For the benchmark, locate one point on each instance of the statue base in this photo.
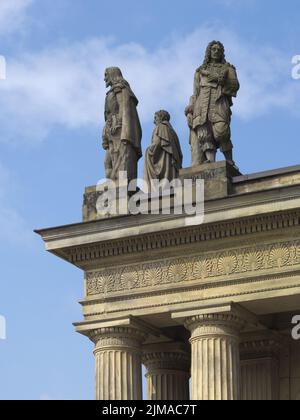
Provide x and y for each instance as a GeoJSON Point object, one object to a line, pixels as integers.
{"type": "Point", "coordinates": [218, 178]}
{"type": "Point", "coordinates": [218, 183]}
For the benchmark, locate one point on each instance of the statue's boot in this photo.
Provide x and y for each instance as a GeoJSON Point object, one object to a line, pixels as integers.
{"type": "Point", "coordinates": [229, 158]}
{"type": "Point", "coordinates": [210, 156]}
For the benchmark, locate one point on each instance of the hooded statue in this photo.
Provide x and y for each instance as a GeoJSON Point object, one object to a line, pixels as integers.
{"type": "Point", "coordinates": [122, 133]}
{"type": "Point", "coordinates": [163, 158]}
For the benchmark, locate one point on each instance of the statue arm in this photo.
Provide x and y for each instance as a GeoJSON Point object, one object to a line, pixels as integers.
{"type": "Point", "coordinates": [117, 118]}
{"type": "Point", "coordinates": [155, 141]}
{"type": "Point", "coordinates": [190, 108]}
{"type": "Point", "coordinates": [197, 84]}
{"type": "Point", "coordinates": [105, 141]}
{"type": "Point", "coordinates": [232, 85]}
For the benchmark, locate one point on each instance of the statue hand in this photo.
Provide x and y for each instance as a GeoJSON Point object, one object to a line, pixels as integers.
{"type": "Point", "coordinates": [105, 145]}
{"type": "Point", "coordinates": [151, 149]}
{"type": "Point", "coordinates": [116, 124]}
{"type": "Point", "coordinates": [212, 78]}
{"type": "Point", "coordinates": [188, 110]}
{"type": "Point", "coordinates": [190, 120]}
{"type": "Point", "coordinates": [114, 129]}
{"type": "Point", "coordinates": [205, 73]}
{"type": "Point", "coordinates": [105, 142]}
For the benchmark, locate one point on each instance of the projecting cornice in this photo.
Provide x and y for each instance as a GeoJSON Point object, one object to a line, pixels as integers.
{"type": "Point", "coordinates": [84, 253]}
{"type": "Point", "coordinates": [258, 205]}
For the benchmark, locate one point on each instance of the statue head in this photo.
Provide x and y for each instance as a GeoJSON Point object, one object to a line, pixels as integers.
{"type": "Point", "coordinates": [112, 75]}
{"type": "Point", "coordinates": [161, 116]}
{"type": "Point", "coordinates": [215, 52]}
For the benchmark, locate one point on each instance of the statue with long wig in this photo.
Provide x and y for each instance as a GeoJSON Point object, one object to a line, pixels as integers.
{"type": "Point", "coordinates": [209, 111]}
{"type": "Point", "coordinates": [122, 133]}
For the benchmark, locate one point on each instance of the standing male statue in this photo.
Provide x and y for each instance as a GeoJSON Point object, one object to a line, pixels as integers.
{"type": "Point", "coordinates": [122, 133]}
{"type": "Point", "coordinates": [163, 158]}
{"type": "Point", "coordinates": [209, 112]}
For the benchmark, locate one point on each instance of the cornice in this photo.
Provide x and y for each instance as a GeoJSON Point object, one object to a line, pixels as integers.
{"type": "Point", "coordinates": [83, 255]}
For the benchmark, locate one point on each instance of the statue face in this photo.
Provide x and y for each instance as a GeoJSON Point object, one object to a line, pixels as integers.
{"type": "Point", "coordinates": [107, 79]}
{"type": "Point", "coordinates": [216, 53]}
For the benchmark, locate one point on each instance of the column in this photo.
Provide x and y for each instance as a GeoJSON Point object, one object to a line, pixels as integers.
{"type": "Point", "coordinates": [215, 356]}
{"type": "Point", "coordinates": [168, 372]}
{"type": "Point", "coordinates": [118, 363]}
{"type": "Point", "coordinates": [260, 367]}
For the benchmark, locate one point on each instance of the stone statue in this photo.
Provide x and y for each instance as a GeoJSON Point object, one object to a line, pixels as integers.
{"type": "Point", "coordinates": [163, 158]}
{"type": "Point", "coordinates": [209, 112]}
{"type": "Point", "coordinates": [122, 132]}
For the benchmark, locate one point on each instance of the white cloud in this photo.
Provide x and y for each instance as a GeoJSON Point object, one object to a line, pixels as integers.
{"type": "Point", "coordinates": [12, 14]}
{"type": "Point", "coordinates": [65, 86]}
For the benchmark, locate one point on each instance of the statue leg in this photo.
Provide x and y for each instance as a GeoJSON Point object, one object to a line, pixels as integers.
{"type": "Point", "coordinates": [108, 164]}
{"type": "Point", "coordinates": [127, 161]}
{"type": "Point", "coordinates": [207, 144]}
{"type": "Point", "coordinates": [222, 135]}
{"type": "Point", "coordinates": [198, 156]}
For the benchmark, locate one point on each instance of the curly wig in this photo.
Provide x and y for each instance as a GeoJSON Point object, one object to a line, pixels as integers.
{"type": "Point", "coordinates": [207, 58]}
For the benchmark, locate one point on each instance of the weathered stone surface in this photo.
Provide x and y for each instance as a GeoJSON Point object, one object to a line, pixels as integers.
{"type": "Point", "coordinates": [217, 178]}
{"type": "Point", "coordinates": [215, 356]}
{"type": "Point", "coordinates": [154, 272]}
{"type": "Point", "coordinates": [168, 371]}
{"type": "Point", "coordinates": [163, 158]}
{"type": "Point", "coordinates": [122, 133]}
{"type": "Point", "coordinates": [209, 110]}
{"type": "Point", "coordinates": [260, 354]}
{"type": "Point", "coordinates": [118, 363]}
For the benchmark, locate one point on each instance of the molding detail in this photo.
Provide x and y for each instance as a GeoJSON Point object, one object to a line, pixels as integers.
{"type": "Point", "coordinates": [252, 225]}
{"type": "Point", "coordinates": [263, 345]}
{"type": "Point", "coordinates": [214, 325]}
{"type": "Point", "coordinates": [166, 361]}
{"type": "Point", "coordinates": [116, 336]}
{"type": "Point", "coordinates": [213, 265]}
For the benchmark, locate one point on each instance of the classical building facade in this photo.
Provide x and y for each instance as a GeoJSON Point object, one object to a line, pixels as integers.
{"type": "Point", "coordinates": [213, 301]}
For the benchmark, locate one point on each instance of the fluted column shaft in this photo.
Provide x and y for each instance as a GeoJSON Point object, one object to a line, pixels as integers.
{"type": "Point", "coordinates": [260, 369]}
{"type": "Point", "coordinates": [215, 356]}
{"type": "Point", "coordinates": [168, 374]}
{"type": "Point", "coordinates": [118, 363]}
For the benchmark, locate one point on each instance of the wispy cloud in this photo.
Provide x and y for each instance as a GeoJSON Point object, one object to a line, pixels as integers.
{"type": "Point", "coordinates": [64, 86]}
{"type": "Point", "coordinates": [13, 14]}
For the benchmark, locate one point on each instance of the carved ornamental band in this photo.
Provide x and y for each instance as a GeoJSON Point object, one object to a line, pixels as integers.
{"type": "Point", "coordinates": [209, 266]}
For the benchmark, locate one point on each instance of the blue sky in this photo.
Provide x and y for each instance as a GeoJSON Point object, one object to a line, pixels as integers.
{"type": "Point", "coordinates": [51, 116]}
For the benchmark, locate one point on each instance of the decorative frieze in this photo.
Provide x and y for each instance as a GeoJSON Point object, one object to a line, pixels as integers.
{"type": "Point", "coordinates": [209, 266]}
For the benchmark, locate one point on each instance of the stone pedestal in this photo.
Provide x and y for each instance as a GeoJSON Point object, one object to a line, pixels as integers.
{"type": "Point", "coordinates": [217, 176]}
{"type": "Point", "coordinates": [260, 367]}
{"type": "Point", "coordinates": [168, 372]}
{"type": "Point", "coordinates": [215, 356]}
{"type": "Point", "coordinates": [118, 363]}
